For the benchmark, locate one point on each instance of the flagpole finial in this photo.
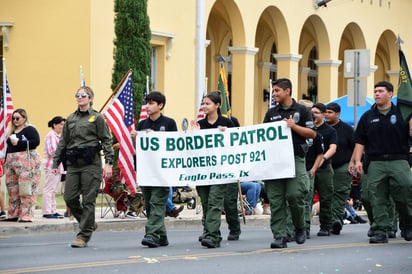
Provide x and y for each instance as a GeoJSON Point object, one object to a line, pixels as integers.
{"type": "Point", "coordinates": [399, 41]}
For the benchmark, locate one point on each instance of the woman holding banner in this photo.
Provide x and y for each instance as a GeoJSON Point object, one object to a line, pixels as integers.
{"type": "Point", "coordinates": [212, 196]}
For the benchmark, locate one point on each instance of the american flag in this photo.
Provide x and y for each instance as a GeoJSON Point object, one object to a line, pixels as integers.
{"type": "Point", "coordinates": [143, 111]}
{"type": "Point", "coordinates": [200, 113]}
{"type": "Point", "coordinates": [5, 119]}
{"type": "Point", "coordinates": [119, 114]}
{"type": "Point", "coordinates": [272, 102]}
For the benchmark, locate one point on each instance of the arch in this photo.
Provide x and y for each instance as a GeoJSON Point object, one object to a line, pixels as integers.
{"type": "Point", "coordinates": [271, 30]}
{"type": "Point", "coordinates": [352, 38]}
{"type": "Point", "coordinates": [313, 43]}
{"type": "Point", "coordinates": [387, 58]}
{"type": "Point", "coordinates": [224, 26]}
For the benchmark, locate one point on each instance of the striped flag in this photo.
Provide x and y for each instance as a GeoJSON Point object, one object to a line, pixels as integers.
{"type": "Point", "coordinates": [200, 114]}
{"type": "Point", "coordinates": [6, 111]}
{"type": "Point", "coordinates": [143, 111]}
{"type": "Point", "coordinates": [120, 118]}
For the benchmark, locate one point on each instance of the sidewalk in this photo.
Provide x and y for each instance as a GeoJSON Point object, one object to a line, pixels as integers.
{"type": "Point", "coordinates": [187, 219]}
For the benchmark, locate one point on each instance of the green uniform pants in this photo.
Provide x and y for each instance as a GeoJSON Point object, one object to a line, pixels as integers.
{"type": "Point", "coordinates": [293, 190]}
{"type": "Point", "coordinates": [231, 210]}
{"type": "Point", "coordinates": [390, 178]}
{"type": "Point", "coordinates": [342, 181]}
{"type": "Point", "coordinates": [324, 186]}
{"type": "Point", "coordinates": [309, 203]}
{"type": "Point", "coordinates": [212, 197]}
{"type": "Point", "coordinates": [83, 181]}
{"type": "Point", "coordinates": [155, 199]}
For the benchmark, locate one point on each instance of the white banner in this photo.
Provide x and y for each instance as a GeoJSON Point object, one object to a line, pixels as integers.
{"type": "Point", "coordinates": [205, 157]}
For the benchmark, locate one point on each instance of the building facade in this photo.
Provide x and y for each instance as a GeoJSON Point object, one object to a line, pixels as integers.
{"type": "Point", "coordinates": [45, 42]}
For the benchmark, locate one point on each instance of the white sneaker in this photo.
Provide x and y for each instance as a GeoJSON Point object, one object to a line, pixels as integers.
{"type": "Point", "coordinates": [132, 215]}
{"type": "Point", "coordinates": [266, 210]}
{"type": "Point", "coordinates": [258, 209]}
{"type": "Point", "coordinates": [346, 222]}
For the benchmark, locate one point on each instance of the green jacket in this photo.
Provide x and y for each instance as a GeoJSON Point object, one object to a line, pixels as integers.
{"type": "Point", "coordinates": [84, 129]}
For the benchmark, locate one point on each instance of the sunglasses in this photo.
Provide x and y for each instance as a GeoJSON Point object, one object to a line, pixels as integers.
{"type": "Point", "coordinates": [81, 95]}
{"type": "Point", "coordinates": [16, 118]}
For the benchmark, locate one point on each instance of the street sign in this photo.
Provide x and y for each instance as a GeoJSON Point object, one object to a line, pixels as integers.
{"type": "Point", "coordinates": [356, 63]}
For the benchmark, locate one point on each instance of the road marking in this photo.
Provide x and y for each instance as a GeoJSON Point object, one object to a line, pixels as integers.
{"type": "Point", "coordinates": [133, 259]}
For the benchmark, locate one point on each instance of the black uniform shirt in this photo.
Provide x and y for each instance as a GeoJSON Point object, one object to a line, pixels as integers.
{"type": "Point", "coordinates": [300, 114]}
{"type": "Point", "coordinates": [329, 137]}
{"type": "Point", "coordinates": [163, 123]}
{"type": "Point", "coordinates": [345, 144]}
{"type": "Point", "coordinates": [383, 134]}
{"type": "Point", "coordinates": [315, 148]}
{"type": "Point", "coordinates": [221, 121]}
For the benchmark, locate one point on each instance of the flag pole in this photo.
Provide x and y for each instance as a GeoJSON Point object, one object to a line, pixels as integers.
{"type": "Point", "coordinates": [82, 82]}
{"type": "Point", "coordinates": [4, 99]}
{"type": "Point", "coordinates": [115, 90]}
{"type": "Point", "coordinates": [4, 122]}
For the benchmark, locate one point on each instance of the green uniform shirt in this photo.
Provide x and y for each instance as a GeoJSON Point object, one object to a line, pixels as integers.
{"type": "Point", "coordinates": [83, 129]}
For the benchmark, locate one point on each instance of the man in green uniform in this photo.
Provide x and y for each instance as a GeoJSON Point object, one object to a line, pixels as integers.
{"type": "Point", "coordinates": [292, 190]}
{"type": "Point", "coordinates": [84, 135]}
{"type": "Point", "coordinates": [383, 135]}
{"type": "Point", "coordinates": [155, 198]}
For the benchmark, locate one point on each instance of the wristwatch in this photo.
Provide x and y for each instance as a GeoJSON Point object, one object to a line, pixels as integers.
{"type": "Point", "coordinates": [324, 157]}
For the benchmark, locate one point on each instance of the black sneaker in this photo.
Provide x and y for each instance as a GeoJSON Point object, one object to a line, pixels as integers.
{"type": "Point", "coordinates": [323, 232]}
{"type": "Point", "coordinates": [150, 242]}
{"type": "Point", "coordinates": [407, 234]}
{"type": "Point", "coordinates": [163, 242]}
{"type": "Point", "coordinates": [279, 243]}
{"type": "Point", "coordinates": [209, 243]}
{"type": "Point", "coordinates": [233, 236]}
{"type": "Point", "coordinates": [300, 236]}
{"type": "Point", "coordinates": [336, 227]}
{"type": "Point", "coordinates": [3, 215]}
{"type": "Point", "coordinates": [371, 233]}
{"type": "Point", "coordinates": [378, 239]}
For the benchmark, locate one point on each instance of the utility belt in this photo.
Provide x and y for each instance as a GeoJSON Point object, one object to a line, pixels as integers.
{"type": "Point", "coordinates": [82, 155]}
{"type": "Point", "coordinates": [388, 157]}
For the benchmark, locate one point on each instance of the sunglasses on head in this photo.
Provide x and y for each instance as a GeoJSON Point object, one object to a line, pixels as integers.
{"type": "Point", "coordinates": [81, 95]}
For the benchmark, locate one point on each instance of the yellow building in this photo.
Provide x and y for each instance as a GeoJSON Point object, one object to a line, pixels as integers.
{"type": "Point", "coordinates": [45, 42]}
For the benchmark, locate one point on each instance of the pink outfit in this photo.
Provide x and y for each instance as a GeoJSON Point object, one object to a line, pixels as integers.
{"type": "Point", "coordinates": [52, 180]}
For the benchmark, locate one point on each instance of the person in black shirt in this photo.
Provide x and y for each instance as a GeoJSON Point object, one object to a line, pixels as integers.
{"type": "Point", "coordinates": [383, 135]}
{"type": "Point", "coordinates": [340, 162]}
{"type": "Point", "coordinates": [324, 175]}
{"type": "Point", "coordinates": [212, 196]}
{"type": "Point", "coordinates": [155, 198]}
{"type": "Point", "coordinates": [291, 190]}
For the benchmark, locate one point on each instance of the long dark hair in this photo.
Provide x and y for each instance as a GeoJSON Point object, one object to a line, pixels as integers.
{"type": "Point", "coordinates": [215, 97]}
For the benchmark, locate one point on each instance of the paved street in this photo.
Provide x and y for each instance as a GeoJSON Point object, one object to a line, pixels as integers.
{"type": "Point", "coordinates": [115, 248]}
